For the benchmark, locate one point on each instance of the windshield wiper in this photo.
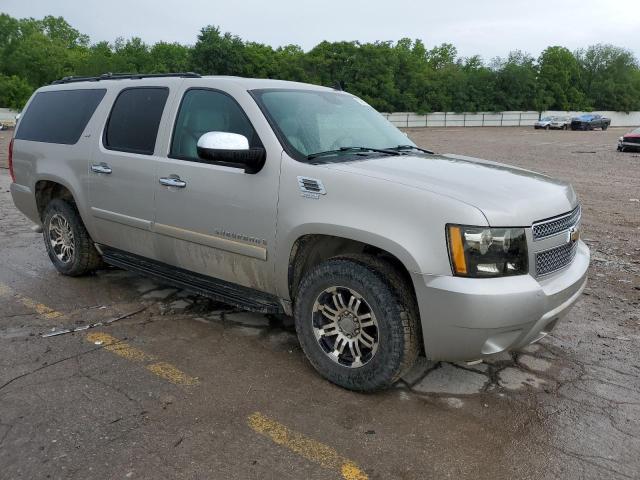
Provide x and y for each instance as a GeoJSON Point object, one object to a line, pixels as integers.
{"type": "Point", "coordinates": [353, 149]}
{"type": "Point", "coordinates": [410, 147]}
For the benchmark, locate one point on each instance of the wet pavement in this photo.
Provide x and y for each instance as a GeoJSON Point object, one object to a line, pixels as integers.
{"type": "Point", "coordinates": [188, 388]}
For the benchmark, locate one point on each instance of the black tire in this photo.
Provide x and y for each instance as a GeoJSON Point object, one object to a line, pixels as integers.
{"type": "Point", "coordinates": [390, 300]}
{"type": "Point", "coordinates": [604, 127]}
{"type": "Point", "coordinates": [546, 127]}
{"type": "Point", "coordinates": [85, 257]}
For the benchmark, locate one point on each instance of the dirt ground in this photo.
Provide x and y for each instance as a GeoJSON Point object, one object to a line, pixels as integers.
{"type": "Point", "coordinates": [186, 388]}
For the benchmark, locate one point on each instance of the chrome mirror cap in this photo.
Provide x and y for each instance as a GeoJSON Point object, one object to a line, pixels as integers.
{"type": "Point", "coordinates": [223, 141]}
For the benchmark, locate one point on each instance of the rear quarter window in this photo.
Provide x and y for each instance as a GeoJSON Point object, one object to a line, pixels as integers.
{"type": "Point", "coordinates": [59, 116]}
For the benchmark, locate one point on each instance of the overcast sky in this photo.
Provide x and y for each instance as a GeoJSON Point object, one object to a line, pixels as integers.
{"type": "Point", "coordinates": [485, 27]}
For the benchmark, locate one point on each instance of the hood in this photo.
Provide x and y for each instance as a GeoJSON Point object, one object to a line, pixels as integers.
{"type": "Point", "coordinates": [507, 196]}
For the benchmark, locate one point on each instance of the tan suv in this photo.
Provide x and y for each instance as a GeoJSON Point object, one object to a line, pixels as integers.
{"type": "Point", "coordinates": [291, 198]}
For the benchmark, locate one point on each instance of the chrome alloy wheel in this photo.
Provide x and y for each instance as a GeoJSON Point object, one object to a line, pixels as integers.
{"type": "Point", "coordinates": [61, 237]}
{"type": "Point", "coordinates": [345, 327]}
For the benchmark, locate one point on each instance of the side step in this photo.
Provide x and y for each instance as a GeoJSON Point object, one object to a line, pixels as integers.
{"type": "Point", "coordinates": [219, 290]}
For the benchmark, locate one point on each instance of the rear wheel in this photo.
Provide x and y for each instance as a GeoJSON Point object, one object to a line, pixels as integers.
{"type": "Point", "coordinates": [604, 127]}
{"type": "Point", "coordinates": [357, 325]}
{"type": "Point", "coordinates": [68, 244]}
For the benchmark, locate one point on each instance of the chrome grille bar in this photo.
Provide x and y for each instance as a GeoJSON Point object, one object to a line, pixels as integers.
{"type": "Point", "coordinates": [556, 225]}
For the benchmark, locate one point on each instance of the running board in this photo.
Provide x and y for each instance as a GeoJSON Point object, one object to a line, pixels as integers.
{"type": "Point", "coordinates": [218, 290]}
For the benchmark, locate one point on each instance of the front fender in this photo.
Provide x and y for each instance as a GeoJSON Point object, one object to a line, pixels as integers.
{"type": "Point", "coordinates": [406, 222]}
{"type": "Point", "coordinates": [285, 248]}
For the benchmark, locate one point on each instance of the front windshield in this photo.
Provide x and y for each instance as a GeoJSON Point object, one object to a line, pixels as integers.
{"type": "Point", "coordinates": [314, 121]}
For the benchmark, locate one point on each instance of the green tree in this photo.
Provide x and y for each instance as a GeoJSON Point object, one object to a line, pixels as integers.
{"type": "Point", "coordinates": [217, 54]}
{"type": "Point", "coordinates": [14, 92]}
{"type": "Point", "coordinates": [168, 57]}
{"type": "Point", "coordinates": [515, 83]}
{"type": "Point", "coordinates": [131, 56]}
{"type": "Point", "coordinates": [609, 74]}
{"type": "Point", "coordinates": [559, 81]}
{"type": "Point", "coordinates": [391, 76]}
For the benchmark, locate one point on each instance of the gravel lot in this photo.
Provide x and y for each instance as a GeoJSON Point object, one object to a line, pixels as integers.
{"type": "Point", "coordinates": [190, 389]}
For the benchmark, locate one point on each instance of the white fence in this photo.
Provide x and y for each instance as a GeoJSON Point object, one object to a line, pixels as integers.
{"type": "Point", "coordinates": [7, 116]}
{"type": "Point", "coordinates": [497, 119]}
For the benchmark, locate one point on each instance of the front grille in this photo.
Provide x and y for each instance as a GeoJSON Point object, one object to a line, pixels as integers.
{"type": "Point", "coordinates": [631, 139]}
{"type": "Point", "coordinates": [556, 258]}
{"type": "Point", "coordinates": [555, 225]}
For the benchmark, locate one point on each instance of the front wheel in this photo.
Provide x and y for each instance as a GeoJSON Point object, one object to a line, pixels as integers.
{"type": "Point", "coordinates": [68, 244]}
{"type": "Point", "coordinates": [604, 127]}
{"type": "Point", "coordinates": [357, 322]}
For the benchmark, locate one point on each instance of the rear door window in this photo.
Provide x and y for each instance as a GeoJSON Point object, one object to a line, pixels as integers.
{"type": "Point", "coordinates": [59, 116]}
{"type": "Point", "coordinates": [134, 120]}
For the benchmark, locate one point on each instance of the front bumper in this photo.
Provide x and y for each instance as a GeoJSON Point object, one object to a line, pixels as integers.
{"type": "Point", "coordinates": [468, 319]}
{"type": "Point", "coordinates": [622, 145]}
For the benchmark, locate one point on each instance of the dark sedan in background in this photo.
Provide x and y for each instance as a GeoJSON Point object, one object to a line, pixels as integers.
{"type": "Point", "coordinates": [630, 141]}
{"type": "Point", "coordinates": [590, 121]}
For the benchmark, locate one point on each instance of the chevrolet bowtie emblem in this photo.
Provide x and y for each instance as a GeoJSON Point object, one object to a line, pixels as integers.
{"type": "Point", "coordinates": [574, 234]}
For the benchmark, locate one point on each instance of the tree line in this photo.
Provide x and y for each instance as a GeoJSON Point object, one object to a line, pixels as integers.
{"type": "Point", "coordinates": [404, 75]}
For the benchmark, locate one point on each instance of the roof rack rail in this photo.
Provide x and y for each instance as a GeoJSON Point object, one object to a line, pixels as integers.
{"type": "Point", "coordinates": [124, 76]}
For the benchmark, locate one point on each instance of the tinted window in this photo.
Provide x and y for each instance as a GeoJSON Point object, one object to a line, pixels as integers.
{"type": "Point", "coordinates": [134, 120]}
{"type": "Point", "coordinates": [205, 111]}
{"type": "Point", "coordinates": [59, 116]}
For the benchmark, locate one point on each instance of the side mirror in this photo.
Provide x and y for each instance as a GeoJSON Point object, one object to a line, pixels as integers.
{"type": "Point", "coordinates": [231, 149]}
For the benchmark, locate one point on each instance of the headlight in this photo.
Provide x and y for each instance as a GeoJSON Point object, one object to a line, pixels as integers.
{"type": "Point", "coordinates": [487, 252]}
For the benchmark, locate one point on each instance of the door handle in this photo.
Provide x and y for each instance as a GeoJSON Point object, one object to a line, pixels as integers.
{"type": "Point", "coordinates": [101, 168]}
{"type": "Point", "coordinates": [173, 182]}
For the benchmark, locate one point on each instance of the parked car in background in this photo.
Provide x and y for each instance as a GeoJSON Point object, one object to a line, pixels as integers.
{"type": "Point", "coordinates": [554, 123]}
{"type": "Point", "coordinates": [560, 123]}
{"type": "Point", "coordinates": [544, 122]}
{"type": "Point", "coordinates": [629, 141]}
{"type": "Point", "coordinates": [590, 121]}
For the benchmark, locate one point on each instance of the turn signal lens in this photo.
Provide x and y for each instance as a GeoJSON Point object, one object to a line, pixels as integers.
{"type": "Point", "coordinates": [457, 250]}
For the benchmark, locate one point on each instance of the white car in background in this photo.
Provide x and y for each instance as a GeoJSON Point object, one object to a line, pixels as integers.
{"type": "Point", "coordinates": [555, 123]}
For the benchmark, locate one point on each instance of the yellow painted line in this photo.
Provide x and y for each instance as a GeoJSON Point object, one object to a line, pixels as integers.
{"type": "Point", "coordinates": [40, 308]}
{"type": "Point", "coordinates": [172, 374]}
{"type": "Point", "coordinates": [119, 347]}
{"type": "Point", "coordinates": [164, 370]}
{"type": "Point", "coordinates": [306, 447]}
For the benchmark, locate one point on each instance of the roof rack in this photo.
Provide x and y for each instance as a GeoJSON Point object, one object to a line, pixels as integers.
{"type": "Point", "coordinates": [124, 76]}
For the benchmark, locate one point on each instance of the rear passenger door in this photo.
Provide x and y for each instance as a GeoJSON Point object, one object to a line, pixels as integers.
{"type": "Point", "coordinates": [122, 170]}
